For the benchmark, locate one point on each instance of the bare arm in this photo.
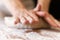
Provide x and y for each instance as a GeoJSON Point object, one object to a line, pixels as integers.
{"type": "Point", "coordinates": [42, 11]}
{"type": "Point", "coordinates": [13, 5]}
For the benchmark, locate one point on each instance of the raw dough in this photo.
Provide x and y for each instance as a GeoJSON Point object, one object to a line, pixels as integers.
{"type": "Point", "coordinates": [9, 21]}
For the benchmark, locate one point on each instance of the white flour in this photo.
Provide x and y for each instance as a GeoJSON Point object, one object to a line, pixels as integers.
{"type": "Point", "coordinates": [7, 33]}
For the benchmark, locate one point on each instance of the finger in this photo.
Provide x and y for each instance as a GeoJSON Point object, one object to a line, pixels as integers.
{"type": "Point", "coordinates": [23, 20]}
{"type": "Point", "coordinates": [34, 16]}
{"type": "Point", "coordinates": [17, 21]}
{"type": "Point", "coordinates": [41, 13]}
{"type": "Point", "coordinates": [49, 19]}
{"type": "Point", "coordinates": [56, 21]}
{"type": "Point", "coordinates": [28, 18]}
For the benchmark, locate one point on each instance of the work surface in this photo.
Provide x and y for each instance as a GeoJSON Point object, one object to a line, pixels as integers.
{"type": "Point", "coordinates": [7, 33]}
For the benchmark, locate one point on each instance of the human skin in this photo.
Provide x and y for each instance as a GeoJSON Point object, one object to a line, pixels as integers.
{"type": "Point", "coordinates": [42, 11]}
{"type": "Point", "coordinates": [18, 11]}
{"type": "Point", "coordinates": [22, 15]}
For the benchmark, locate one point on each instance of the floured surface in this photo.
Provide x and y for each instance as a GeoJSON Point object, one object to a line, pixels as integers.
{"type": "Point", "coordinates": [7, 33]}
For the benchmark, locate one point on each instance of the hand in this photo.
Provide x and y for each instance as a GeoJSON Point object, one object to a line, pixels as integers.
{"type": "Point", "coordinates": [19, 12]}
{"type": "Point", "coordinates": [48, 17]}
{"type": "Point", "coordinates": [25, 17]}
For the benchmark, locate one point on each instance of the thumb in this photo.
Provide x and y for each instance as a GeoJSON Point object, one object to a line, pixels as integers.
{"type": "Point", "coordinates": [38, 7]}
{"type": "Point", "coordinates": [41, 14]}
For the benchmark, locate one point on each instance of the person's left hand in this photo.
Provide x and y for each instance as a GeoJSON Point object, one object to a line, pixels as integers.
{"type": "Point", "coordinates": [46, 16]}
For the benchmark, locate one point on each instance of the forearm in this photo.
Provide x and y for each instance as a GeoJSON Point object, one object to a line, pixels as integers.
{"type": "Point", "coordinates": [44, 4]}
{"type": "Point", "coordinates": [13, 5]}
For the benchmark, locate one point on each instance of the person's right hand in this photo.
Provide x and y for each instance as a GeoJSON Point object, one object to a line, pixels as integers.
{"type": "Point", "coordinates": [23, 16]}
{"type": "Point", "coordinates": [19, 12]}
